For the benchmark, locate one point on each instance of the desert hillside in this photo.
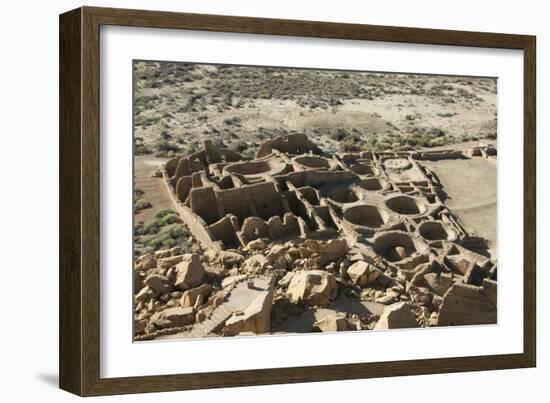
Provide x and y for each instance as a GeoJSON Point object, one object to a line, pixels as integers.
{"type": "Point", "coordinates": [178, 105]}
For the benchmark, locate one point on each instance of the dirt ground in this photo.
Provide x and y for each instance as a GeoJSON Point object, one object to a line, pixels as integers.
{"type": "Point", "coordinates": [177, 105]}
{"type": "Point", "coordinates": [153, 189]}
{"type": "Point", "coordinates": [471, 189]}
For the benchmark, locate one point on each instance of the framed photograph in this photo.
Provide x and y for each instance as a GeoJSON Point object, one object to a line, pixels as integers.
{"type": "Point", "coordinates": [273, 201]}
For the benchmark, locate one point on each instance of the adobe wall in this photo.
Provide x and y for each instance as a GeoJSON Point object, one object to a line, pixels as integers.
{"type": "Point", "coordinates": [292, 144]}
{"type": "Point", "coordinates": [287, 191]}
{"type": "Point", "coordinates": [197, 226]}
{"type": "Point", "coordinates": [261, 200]}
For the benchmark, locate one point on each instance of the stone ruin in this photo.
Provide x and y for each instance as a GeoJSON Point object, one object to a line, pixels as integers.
{"type": "Point", "coordinates": [298, 240]}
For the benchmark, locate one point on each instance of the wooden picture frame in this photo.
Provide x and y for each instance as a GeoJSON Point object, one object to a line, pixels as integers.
{"type": "Point", "coordinates": [79, 346]}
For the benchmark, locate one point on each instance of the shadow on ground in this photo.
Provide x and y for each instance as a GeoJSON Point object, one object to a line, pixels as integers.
{"type": "Point", "coordinates": [49, 379]}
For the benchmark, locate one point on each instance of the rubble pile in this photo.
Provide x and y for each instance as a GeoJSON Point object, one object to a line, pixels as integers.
{"type": "Point", "coordinates": [299, 241]}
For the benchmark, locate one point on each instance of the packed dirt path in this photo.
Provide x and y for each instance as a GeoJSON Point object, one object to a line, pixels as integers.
{"type": "Point", "coordinates": [153, 188]}
{"type": "Point", "coordinates": [471, 188]}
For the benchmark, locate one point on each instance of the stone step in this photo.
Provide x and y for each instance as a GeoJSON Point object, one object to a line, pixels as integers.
{"type": "Point", "coordinates": [219, 315]}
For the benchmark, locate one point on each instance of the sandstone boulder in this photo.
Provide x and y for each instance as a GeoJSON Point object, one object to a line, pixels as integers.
{"type": "Point", "coordinates": [256, 318]}
{"type": "Point", "coordinates": [285, 280]}
{"type": "Point", "coordinates": [256, 263]}
{"type": "Point", "coordinates": [397, 316]}
{"type": "Point", "coordinates": [313, 287]}
{"type": "Point", "coordinates": [361, 273]}
{"type": "Point", "coordinates": [276, 252]}
{"type": "Point", "coordinates": [190, 297]}
{"type": "Point", "coordinates": [169, 261]}
{"type": "Point", "coordinates": [279, 257]}
{"type": "Point", "coordinates": [438, 282]}
{"type": "Point", "coordinates": [230, 281]}
{"type": "Point", "coordinates": [356, 255]}
{"type": "Point", "coordinates": [162, 253]}
{"type": "Point", "coordinates": [139, 326]}
{"type": "Point", "coordinates": [230, 259]}
{"type": "Point", "coordinates": [190, 272]}
{"type": "Point", "coordinates": [257, 244]}
{"type": "Point", "coordinates": [398, 253]}
{"type": "Point", "coordinates": [465, 304]}
{"type": "Point", "coordinates": [159, 283]}
{"type": "Point", "coordinates": [145, 262]}
{"type": "Point", "coordinates": [145, 294]}
{"type": "Point", "coordinates": [387, 298]}
{"type": "Point", "coordinates": [334, 323]}
{"type": "Point", "coordinates": [173, 317]}
{"type": "Point", "coordinates": [139, 277]}
{"type": "Point", "coordinates": [334, 247]}
{"type": "Point", "coordinates": [320, 253]}
{"type": "Point", "coordinates": [358, 273]}
{"type": "Point", "coordinates": [420, 295]}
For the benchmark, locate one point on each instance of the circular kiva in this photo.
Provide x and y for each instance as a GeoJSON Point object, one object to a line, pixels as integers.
{"type": "Point", "coordinates": [406, 205]}
{"type": "Point", "coordinates": [343, 195]}
{"type": "Point", "coordinates": [394, 246]}
{"type": "Point", "coordinates": [255, 168]}
{"type": "Point", "coordinates": [312, 162]}
{"type": "Point", "coordinates": [397, 164]}
{"type": "Point", "coordinates": [433, 231]}
{"type": "Point", "coordinates": [372, 184]}
{"type": "Point", "coordinates": [362, 169]}
{"type": "Point", "coordinates": [366, 216]}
